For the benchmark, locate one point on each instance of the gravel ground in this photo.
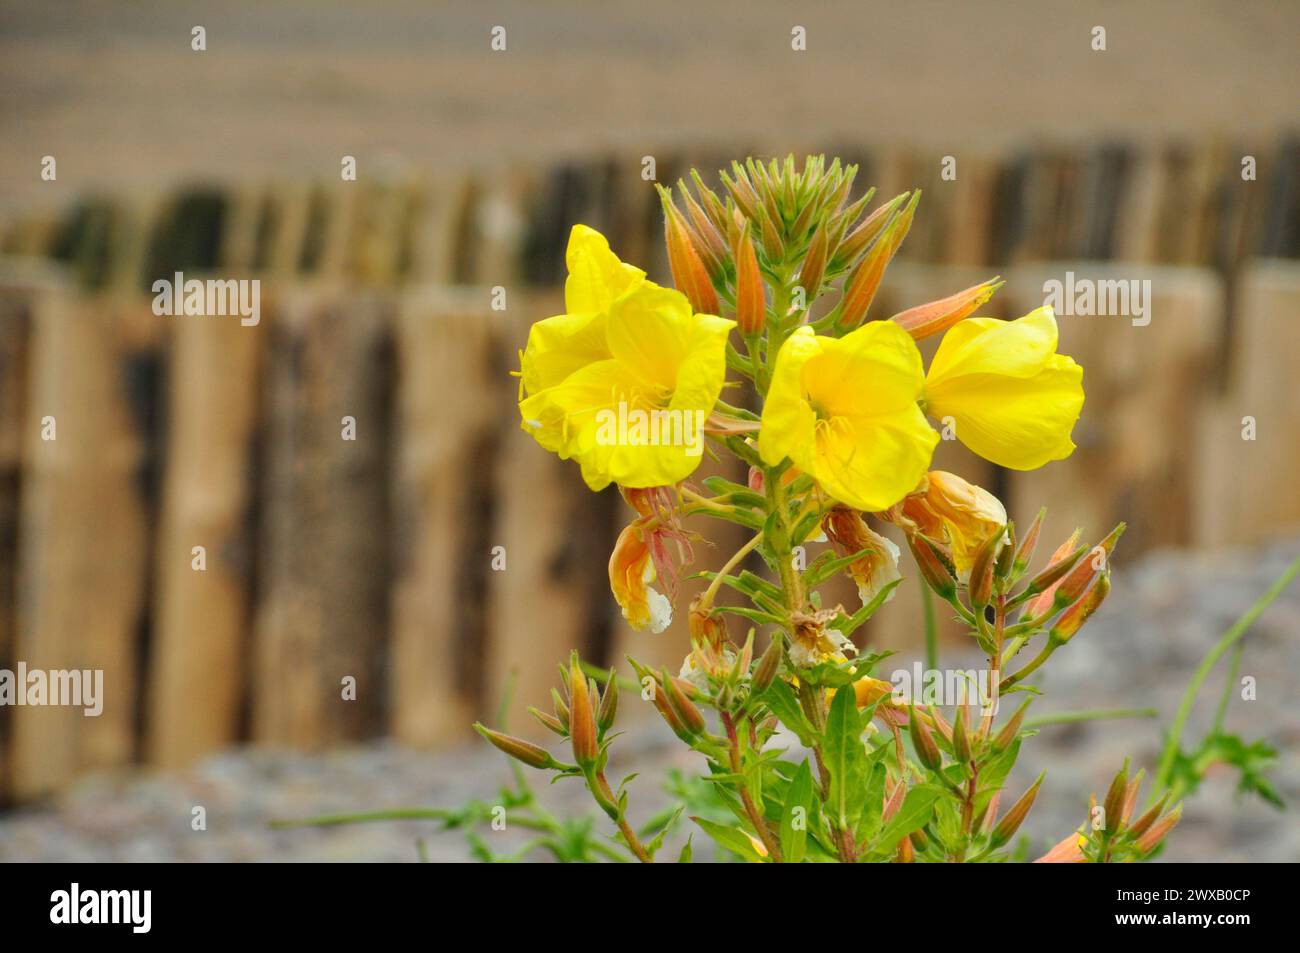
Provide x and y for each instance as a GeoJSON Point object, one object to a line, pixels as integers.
{"type": "Point", "coordinates": [1162, 616]}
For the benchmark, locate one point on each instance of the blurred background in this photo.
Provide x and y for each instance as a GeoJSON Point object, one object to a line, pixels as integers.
{"type": "Point", "coordinates": [372, 558]}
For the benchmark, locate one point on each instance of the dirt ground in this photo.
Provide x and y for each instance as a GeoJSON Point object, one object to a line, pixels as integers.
{"type": "Point", "coordinates": [115, 93]}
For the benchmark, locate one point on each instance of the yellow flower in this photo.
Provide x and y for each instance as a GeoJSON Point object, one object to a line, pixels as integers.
{"type": "Point", "coordinates": [624, 381]}
{"type": "Point", "coordinates": [845, 411]}
{"type": "Point", "coordinates": [949, 510]}
{"type": "Point", "coordinates": [631, 570]}
{"type": "Point", "coordinates": [1012, 398]}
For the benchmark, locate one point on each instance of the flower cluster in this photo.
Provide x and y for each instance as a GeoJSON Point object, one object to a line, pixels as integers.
{"type": "Point", "coordinates": [767, 344]}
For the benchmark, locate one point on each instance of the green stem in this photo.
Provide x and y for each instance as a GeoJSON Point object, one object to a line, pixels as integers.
{"type": "Point", "coordinates": [1096, 714]}
{"type": "Point", "coordinates": [1229, 639]}
{"type": "Point", "coordinates": [931, 630]}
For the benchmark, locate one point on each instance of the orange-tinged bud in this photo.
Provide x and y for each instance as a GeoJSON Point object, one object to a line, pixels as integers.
{"type": "Point", "coordinates": [550, 721]}
{"type": "Point", "coordinates": [1011, 730]}
{"type": "Point", "coordinates": [814, 265]}
{"type": "Point", "coordinates": [927, 752]}
{"type": "Point", "coordinates": [1074, 617]}
{"type": "Point", "coordinates": [751, 306]}
{"type": "Point", "coordinates": [688, 716]}
{"type": "Point", "coordinates": [1096, 563]}
{"type": "Point", "coordinates": [1062, 561]}
{"type": "Point", "coordinates": [906, 854]}
{"type": "Point", "coordinates": [861, 288]}
{"type": "Point", "coordinates": [561, 709]}
{"type": "Point", "coordinates": [523, 751]}
{"type": "Point", "coordinates": [1007, 827]}
{"type": "Point", "coordinates": [935, 565]}
{"type": "Point", "coordinates": [709, 241]}
{"type": "Point", "coordinates": [768, 666]}
{"type": "Point", "coordinates": [1113, 805]}
{"type": "Point", "coordinates": [1068, 851]}
{"type": "Point", "coordinates": [689, 273]}
{"type": "Point", "coordinates": [981, 572]}
{"type": "Point", "coordinates": [582, 717]}
{"type": "Point", "coordinates": [608, 703]}
{"type": "Point", "coordinates": [1152, 838]}
{"type": "Point", "coordinates": [862, 236]}
{"type": "Point", "coordinates": [1143, 823]}
{"type": "Point", "coordinates": [926, 320]}
{"type": "Point", "coordinates": [960, 739]}
{"type": "Point", "coordinates": [1131, 795]}
{"type": "Point", "coordinates": [1029, 543]}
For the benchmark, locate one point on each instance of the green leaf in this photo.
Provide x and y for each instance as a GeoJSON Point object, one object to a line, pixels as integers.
{"type": "Point", "coordinates": [685, 856]}
{"type": "Point", "coordinates": [993, 774]}
{"type": "Point", "coordinates": [845, 758]}
{"type": "Point", "coordinates": [753, 615]}
{"type": "Point", "coordinates": [850, 624]}
{"type": "Point", "coordinates": [730, 838]}
{"type": "Point", "coordinates": [780, 698]}
{"type": "Point", "coordinates": [915, 813]}
{"type": "Point", "coordinates": [798, 804]}
{"type": "Point", "coordinates": [827, 565]}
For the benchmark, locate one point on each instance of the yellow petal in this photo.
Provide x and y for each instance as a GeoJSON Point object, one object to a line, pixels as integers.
{"type": "Point", "coordinates": [1012, 398]}
{"type": "Point", "coordinates": [560, 345]}
{"type": "Point", "coordinates": [596, 276]}
{"type": "Point", "coordinates": [845, 412]}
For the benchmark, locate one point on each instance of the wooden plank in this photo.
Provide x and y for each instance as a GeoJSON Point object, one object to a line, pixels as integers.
{"type": "Point", "coordinates": [83, 542]}
{"type": "Point", "coordinates": [323, 572]}
{"type": "Point", "coordinates": [446, 432]}
{"type": "Point", "coordinates": [197, 671]}
{"type": "Point", "coordinates": [1246, 493]}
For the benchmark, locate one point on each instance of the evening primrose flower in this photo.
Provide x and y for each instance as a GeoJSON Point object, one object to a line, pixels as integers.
{"type": "Point", "coordinates": [949, 510]}
{"type": "Point", "coordinates": [560, 345]}
{"type": "Point", "coordinates": [845, 412]}
{"type": "Point", "coordinates": [631, 570]}
{"type": "Point", "coordinates": [636, 418]}
{"type": "Point", "coordinates": [1012, 398]}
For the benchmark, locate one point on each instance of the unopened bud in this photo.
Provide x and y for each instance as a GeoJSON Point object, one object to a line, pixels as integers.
{"type": "Point", "coordinates": [561, 709]}
{"type": "Point", "coordinates": [550, 721]}
{"type": "Point", "coordinates": [608, 704]}
{"type": "Point", "coordinates": [1113, 806]}
{"type": "Point", "coordinates": [1074, 617]}
{"type": "Point", "coordinates": [582, 717]}
{"type": "Point", "coordinates": [927, 752]}
{"type": "Point", "coordinates": [1143, 823]}
{"type": "Point", "coordinates": [935, 565]}
{"type": "Point", "coordinates": [861, 288]}
{"type": "Point", "coordinates": [926, 320]}
{"type": "Point", "coordinates": [751, 305]}
{"type": "Point", "coordinates": [524, 751]}
{"type": "Point", "coordinates": [1029, 543]}
{"type": "Point", "coordinates": [981, 572]}
{"type": "Point", "coordinates": [1007, 827]}
{"type": "Point", "coordinates": [960, 740]}
{"type": "Point", "coordinates": [1011, 730]}
{"type": "Point", "coordinates": [768, 666]}
{"type": "Point", "coordinates": [689, 273]}
{"type": "Point", "coordinates": [690, 717]}
{"type": "Point", "coordinates": [856, 242]}
{"type": "Point", "coordinates": [1152, 838]}
{"type": "Point", "coordinates": [814, 264]}
{"type": "Point", "coordinates": [1095, 564]}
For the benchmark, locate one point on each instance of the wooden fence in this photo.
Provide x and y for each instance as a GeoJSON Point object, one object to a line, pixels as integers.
{"type": "Point", "coordinates": [372, 559]}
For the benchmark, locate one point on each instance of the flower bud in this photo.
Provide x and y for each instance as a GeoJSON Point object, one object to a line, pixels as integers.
{"type": "Point", "coordinates": [1076, 583]}
{"type": "Point", "coordinates": [1152, 838]}
{"type": "Point", "coordinates": [1073, 618]}
{"type": "Point", "coordinates": [582, 718]}
{"type": "Point", "coordinates": [1011, 730]}
{"type": "Point", "coordinates": [768, 666]}
{"type": "Point", "coordinates": [865, 280]}
{"type": "Point", "coordinates": [608, 704]}
{"type": "Point", "coordinates": [1007, 827]}
{"type": "Point", "coordinates": [550, 722]}
{"type": "Point", "coordinates": [1029, 543]}
{"type": "Point", "coordinates": [960, 740]}
{"type": "Point", "coordinates": [981, 572]}
{"type": "Point", "coordinates": [1044, 584]}
{"type": "Point", "coordinates": [709, 241]}
{"type": "Point", "coordinates": [751, 306]}
{"type": "Point", "coordinates": [688, 716]}
{"type": "Point", "coordinates": [524, 751]}
{"type": "Point", "coordinates": [857, 240]}
{"type": "Point", "coordinates": [814, 265]}
{"type": "Point", "coordinates": [561, 709]}
{"type": "Point", "coordinates": [926, 320]}
{"type": "Point", "coordinates": [689, 273]}
{"type": "Point", "coordinates": [935, 566]}
{"type": "Point", "coordinates": [927, 752]}
{"type": "Point", "coordinates": [1113, 806]}
{"type": "Point", "coordinates": [1143, 823]}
